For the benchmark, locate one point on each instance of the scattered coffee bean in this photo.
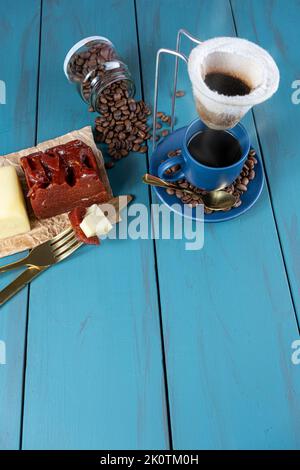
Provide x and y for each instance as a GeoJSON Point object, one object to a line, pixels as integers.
{"type": "Point", "coordinates": [109, 165]}
{"type": "Point", "coordinates": [180, 93]}
{"type": "Point", "coordinates": [241, 187]}
{"type": "Point", "coordinates": [170, 191]}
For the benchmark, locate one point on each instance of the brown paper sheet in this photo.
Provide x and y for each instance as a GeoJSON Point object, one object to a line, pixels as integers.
{"type": "Point", "coordinates": [43, 230]}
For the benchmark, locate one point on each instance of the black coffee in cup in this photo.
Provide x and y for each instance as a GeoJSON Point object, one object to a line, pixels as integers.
{"type": "Point", "coordinates": [215, 148]}
{"type": "Point", "coordinates": [226, 84]}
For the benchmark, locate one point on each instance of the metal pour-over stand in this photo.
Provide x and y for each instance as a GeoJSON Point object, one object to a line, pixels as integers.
{"type": "Point", "coordinates": [178, 55]}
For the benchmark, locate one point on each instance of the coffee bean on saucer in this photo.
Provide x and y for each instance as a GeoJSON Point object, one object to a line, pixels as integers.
{"type": "Point", "coordinates": [241, 187]}
{"type": "Point", "coordinates": [238, 203]}
{"type": "Point", "coordinates": [253, 159]}
{"type": "Point", "coordinates": [170, 191]}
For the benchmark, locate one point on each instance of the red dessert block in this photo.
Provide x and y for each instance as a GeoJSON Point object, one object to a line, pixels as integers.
{"type": "Point", "coordinates": [62, 178]}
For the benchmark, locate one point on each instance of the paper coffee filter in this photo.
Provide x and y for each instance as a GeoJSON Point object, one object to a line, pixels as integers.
{"type": "Point", "coordinates": [240, 58]}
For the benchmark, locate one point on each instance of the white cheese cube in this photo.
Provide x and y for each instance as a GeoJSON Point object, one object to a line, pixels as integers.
{"type": "Point", "coordinates": [95, 222]}
{"type": "Point", "coordinates": [13, 215]}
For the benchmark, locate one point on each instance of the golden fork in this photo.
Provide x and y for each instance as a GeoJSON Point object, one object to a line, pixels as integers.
{"type": "Point", "coordinates": [39, 259]}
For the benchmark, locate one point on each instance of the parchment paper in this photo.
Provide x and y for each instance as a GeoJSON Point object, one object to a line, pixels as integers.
{"type": "Point", "coordinates": [43, 230]}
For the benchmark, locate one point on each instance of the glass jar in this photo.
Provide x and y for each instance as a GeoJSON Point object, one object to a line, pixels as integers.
{"type": "Point", "coordinates": [93, 64]}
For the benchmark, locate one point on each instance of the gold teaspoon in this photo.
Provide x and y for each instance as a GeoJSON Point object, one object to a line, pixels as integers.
{"type": "Point", "coordinates": [215, 200]}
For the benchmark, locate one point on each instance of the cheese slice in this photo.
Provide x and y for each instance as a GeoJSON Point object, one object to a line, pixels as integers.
{"type": "Point", "coordinates": [13, 215]}
{"type": "Point", "coordinates": [95, 222]}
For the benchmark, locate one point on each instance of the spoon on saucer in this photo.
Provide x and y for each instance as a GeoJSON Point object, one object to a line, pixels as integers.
{"type": "Point", "coordinates": [217, 200]}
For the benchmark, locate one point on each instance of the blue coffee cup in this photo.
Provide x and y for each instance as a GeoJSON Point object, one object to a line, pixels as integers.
{"type": "Point", "coordinates": [198, 174]}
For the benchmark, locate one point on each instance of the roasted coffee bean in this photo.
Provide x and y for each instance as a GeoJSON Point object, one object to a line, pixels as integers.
{"type": "Point", "coordinates": [143, 149]}
{"type": "Point", "coordinates": [117, 97]}
{"type": "Point", "coordinates": [164, 133]}
{"type": "Point", "coordinates": [171, 191]}
{"type": "Point", "coordinates": [179, 93]}
{"type": "Point", "coordinates": [117, 115]}
{"type": "Point", "coordinates": [241, 187]}
{"type": "Point", "coordinates": [141, 134]}
{"type": "Point", "coordinates": [120, 103]}
{"type": "Point", "coordinates": [109, 165]}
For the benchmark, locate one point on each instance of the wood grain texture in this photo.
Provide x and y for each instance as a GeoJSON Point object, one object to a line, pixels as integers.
{"type": "Point", "coordinates": [275, 25]}
{"type": "Point", "coordinates": [94, 371]}
{"type": "Point", "coordinates": [19, 58]}
{"type": "Point", "coordinates": [228, 319]}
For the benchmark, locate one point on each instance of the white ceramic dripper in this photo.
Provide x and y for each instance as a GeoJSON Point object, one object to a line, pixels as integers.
{"type": "Point", "coordinates": [241, 59]}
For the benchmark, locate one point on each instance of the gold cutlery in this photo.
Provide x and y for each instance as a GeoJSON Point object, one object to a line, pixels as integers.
{"type": "Point", "coordinates": [217, 200]}
{"type": "Point", "coordinates": [40, 258]}
{"type": "Point", "coordinates": [52, 251]}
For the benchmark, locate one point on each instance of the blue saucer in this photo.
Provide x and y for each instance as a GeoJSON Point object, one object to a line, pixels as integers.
{"type": "Point", "coordinates": [173, 142]}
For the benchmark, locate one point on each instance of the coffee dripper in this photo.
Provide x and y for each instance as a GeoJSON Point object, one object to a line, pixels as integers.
{"type": "Point", "coordinates": [228, 55]}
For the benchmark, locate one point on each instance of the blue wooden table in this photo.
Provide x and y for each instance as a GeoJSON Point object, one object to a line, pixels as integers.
{"type": "Point", "coordinates": [140, 343]}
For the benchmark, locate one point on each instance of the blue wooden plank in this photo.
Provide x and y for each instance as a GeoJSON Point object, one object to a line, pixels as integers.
{"type": "Point", "coordinates": [19, 59]}
{"type": "Point", "coordinates": [228, 319]}
{"type": "Point", "coordinates": [275, 25]}
{"type": "Point", "coordinates": [94, 366]}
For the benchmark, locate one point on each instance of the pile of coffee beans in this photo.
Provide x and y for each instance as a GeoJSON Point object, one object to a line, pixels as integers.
{"type": "Point", "coordinates": [122, 124]}
{"type": "Point", "coordinates": [237, 188]}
